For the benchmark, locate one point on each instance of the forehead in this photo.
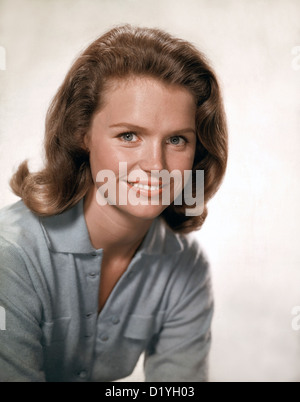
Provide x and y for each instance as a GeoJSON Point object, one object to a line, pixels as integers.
{"type": "Point", "coordinates": [148, 99]}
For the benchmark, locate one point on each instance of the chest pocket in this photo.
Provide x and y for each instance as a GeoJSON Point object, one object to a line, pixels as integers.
{"type": "Point", "coordinates": [55, 331]}
{"type": "Point", "coordinates": [142, 327]}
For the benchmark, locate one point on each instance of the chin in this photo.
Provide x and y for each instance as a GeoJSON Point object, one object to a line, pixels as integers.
{"type": "Point", "coordinates": [145, 212]}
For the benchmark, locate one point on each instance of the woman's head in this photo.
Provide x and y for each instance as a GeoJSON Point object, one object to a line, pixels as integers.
{"type": "Point", "coordinates": [143, 135]}
{"type": "Point", "coordinates": [122, 53]}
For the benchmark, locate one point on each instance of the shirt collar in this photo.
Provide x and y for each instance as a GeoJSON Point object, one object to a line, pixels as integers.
{"type": "Point", "coordinates": [68, 233]}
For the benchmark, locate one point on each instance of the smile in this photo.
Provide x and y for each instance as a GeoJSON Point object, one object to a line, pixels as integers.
{"type": "Point", "coordinates": [145, 186]}
{"type": "Point", "coordinates": [146, 190]}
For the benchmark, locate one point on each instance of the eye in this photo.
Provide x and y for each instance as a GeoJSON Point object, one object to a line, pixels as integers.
{"type": "Point", "coordinates": [177, 140]}
{"type": "Point", "coordinates": [128, 137]}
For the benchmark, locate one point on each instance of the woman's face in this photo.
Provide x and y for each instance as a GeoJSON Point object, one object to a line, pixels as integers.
{"type": "Point", "coordinates": [148, 126]}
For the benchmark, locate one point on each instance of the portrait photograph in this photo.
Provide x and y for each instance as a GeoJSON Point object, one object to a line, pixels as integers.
{"type": "Point", "coordinates": [149, 203]}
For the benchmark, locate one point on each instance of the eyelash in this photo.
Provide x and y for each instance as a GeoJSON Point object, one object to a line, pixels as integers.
{"type": "Point", "coordinates": [123, 135]}
{"type": "Point", "coordinates": [180, 137]}
{"type": "Point", "coordinates": [130, 132]}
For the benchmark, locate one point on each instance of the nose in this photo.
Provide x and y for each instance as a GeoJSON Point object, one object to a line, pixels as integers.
{"type": "Point", "coordinates": [153, 158]}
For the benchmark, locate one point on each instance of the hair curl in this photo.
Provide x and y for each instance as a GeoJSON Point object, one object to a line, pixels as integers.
{"type": "Point", "coordinates": [121, 52]}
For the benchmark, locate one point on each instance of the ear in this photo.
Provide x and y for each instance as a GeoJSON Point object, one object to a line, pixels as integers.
{"type": "Point", "coordinates": [86, 142]}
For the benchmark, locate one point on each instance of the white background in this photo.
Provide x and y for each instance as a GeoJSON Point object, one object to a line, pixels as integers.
{"type": "Point", "coordinates": [252, 232]}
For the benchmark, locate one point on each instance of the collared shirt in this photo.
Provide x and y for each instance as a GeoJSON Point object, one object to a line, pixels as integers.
{"type": "Point", "coordinates": [49, 283]}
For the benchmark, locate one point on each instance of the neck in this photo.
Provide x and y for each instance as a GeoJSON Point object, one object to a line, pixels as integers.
{"type": "Point", "coordinates": [112, 229]}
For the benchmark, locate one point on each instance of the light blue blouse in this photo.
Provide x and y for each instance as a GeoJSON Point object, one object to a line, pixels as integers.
{"type": "Point", "coordinates": [49, 281]}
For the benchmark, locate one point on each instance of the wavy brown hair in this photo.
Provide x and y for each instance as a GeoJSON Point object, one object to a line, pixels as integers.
{"type": "Point", "coordinates": [122, 52]}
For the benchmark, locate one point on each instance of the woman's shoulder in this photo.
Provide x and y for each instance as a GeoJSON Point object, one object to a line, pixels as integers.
{"type": "Point", "coordinates": [19, 226]}
{"type": "Point", "coordinates": [187, 267]}
{"type": "Point", "coordinates": [187, 242]}
{"type": "Point", "coordinates": [19, 234]}
{"type": "Point", "coordinates": [184, 248]}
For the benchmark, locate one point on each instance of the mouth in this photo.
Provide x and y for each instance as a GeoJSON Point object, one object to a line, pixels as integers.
{"type": "Point", "coordinates": [146, 189]}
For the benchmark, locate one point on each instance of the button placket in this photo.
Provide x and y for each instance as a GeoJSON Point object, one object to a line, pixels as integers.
{"type": "Point", "coordinates": [91, 292]}
{"type": "Point", "coordinates": [104, 338]}
{"type": "Point", "coordinates": [115, 320]}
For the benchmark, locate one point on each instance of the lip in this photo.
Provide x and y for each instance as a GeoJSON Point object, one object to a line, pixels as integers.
{"type": "Point", "coordinates": [146, 188]}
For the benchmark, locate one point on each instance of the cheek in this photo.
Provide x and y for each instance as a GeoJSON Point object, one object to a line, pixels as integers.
{"type": "Point", "coordinates": [191, 156]}
{"type": "Point", "coordinates": [101, 159]}
{"type": "Point", "coordinates": [181, 161]}
{"type": "Point", "coordinates": [104, 157]}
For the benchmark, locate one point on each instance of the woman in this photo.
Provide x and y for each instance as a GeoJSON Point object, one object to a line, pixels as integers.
{"type": "Point", "coordinates": [88, 286]}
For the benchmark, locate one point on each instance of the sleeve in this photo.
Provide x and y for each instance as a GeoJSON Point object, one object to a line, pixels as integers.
{"type": "Point", "coordinates": [180, 351]}
{"type": "Point", "coordinates": [21, 352]}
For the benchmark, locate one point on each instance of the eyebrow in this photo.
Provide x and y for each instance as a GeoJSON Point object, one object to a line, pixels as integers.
{"type": "Point", "coordinates": [139, 128]}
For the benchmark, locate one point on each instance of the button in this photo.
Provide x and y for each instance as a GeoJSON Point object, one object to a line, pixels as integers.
{"type": "Point", "coordinates": [104, 338]}
{"type": "Point", "coordinates": [92, 274]}
{"type": "Point", "coordinates": [82, 374]}
{"type": "Point", "coordinates": [88, 315]}
{"type": "Point", "coordinates": [115, 320]}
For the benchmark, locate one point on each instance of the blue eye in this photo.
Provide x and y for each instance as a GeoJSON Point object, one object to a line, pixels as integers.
{"type": "Point", "coordinates": [177, 140]}
{"type": "Point", "coordinates": [128, 137]}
